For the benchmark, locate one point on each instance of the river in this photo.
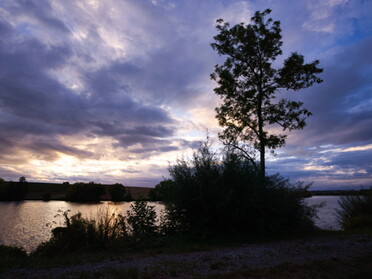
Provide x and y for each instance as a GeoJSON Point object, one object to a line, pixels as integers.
{"type": "Point", "coordinates": [28, 223]}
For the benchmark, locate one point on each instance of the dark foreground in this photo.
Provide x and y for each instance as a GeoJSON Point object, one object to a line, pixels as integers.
{"type": "Point", "coordinates": [347, 256]}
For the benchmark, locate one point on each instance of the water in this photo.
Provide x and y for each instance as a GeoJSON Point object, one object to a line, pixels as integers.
{"type": "Point", "coordinates": [327, 219]}
{"type": "Point", "coordinates": [28, 223]}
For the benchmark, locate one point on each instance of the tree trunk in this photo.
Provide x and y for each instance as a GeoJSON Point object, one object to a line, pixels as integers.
{"type": "Point", "coordinates": [261, 137]}
{"type": "Point", "coordinates": [262, 162]}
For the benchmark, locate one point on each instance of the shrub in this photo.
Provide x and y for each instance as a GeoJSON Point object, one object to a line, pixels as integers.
{"type": "Point", "coordinates": [355, 212]}
{"type": "Point", "coordinates": [222, 194]}
{"type": "Point", "coordinates": [10, 256]}
{"type": "Point", "coordinates": [106, 230]}
{"type": "Point", "coordinates": [85, 233]}
{"type": "Point", "coordinates": [117, 192]}
{"type": "Point", "coordinates": [142, 220]}
{"type": "Point", "coordinates": [173, 220]}
{"type": "Point", "coordinates": [46, 196]}
{"type": "Point", "coordinates": [82, 192]}
{"type": "Point", "coordinates": [13, 191]}
{"type": "Point", "coordinates": [164, 191]}
{"type": "Point", "coordinates": [128, 197]}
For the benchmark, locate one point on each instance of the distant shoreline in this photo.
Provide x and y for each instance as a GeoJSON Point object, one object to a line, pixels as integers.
{"type": "Point", "coordinates": [57, 191]}
{"type": "Point", "coordinates": [341, 192]}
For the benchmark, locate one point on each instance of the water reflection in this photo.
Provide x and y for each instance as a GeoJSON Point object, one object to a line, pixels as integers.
{"type": "Point", "coordinates": [327, 219]}
{"type": "Point", "coordinates": [26, 224]}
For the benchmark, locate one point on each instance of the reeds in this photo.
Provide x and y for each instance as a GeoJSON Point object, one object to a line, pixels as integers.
{"type": "Point", "coordinates": [355, 212]}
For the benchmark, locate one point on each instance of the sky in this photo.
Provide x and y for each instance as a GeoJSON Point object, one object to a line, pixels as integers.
{"type": "Point", "coordinates": [115, 91]}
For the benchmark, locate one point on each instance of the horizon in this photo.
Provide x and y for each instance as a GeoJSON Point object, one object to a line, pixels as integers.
{"type": "Point", "coordinates": [361, 188]}
{"type": "Point", "coordinates": [116, 92]}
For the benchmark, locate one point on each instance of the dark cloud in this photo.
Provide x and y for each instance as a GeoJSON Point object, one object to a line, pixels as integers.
{"type": "Point", "coordinates": [39, 10]}
{"type": "Point", "coordinates": [76, 79]}
{"type": "Point", "coordinates": [328, 167]}
{"type": "Point", "coordinates": [341, 114]}
{"type": "Point", "coordinates": [33, 104]}
{"type": "Point", "coordinates": [358, 160]}
{"type": "Point", "coordinates": [48, 150]}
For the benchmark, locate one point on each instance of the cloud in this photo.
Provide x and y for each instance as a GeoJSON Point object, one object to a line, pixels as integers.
{"type": "Point", "coordinates": [34, 104]}
{"type": "Point", "coordinates": [116, 89]}
{"type": "Point", "coordinates": [341, 114]}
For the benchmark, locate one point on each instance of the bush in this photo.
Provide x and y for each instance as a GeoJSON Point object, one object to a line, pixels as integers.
{"type": "Point", "coordinates": [13, 191]}
{"type": "Point", "coordinates": [355, 212]}
{"type": "Point", "coordinates": [10, 256]}
{"type": "Point", "coordinates": [173, 221]}
{"type": "Point", "coordinates": [46, 196]}
{"type": "Point", "coordinates": [117, 192]}
{"type": "Point", "coordinates": [80, 233]}
{"type": "Point", "coordinates": [141, 220]}
{"type": "Point", "coordinates": [107, 230]}
{"type": "Point", "coordinates": [223, 195]}
{"type": "Point", "coordinates": [164, 191]}
{"type": "Point", "coordinates": [81, 192]}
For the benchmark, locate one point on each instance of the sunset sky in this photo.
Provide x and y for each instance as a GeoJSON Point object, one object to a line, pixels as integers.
{"type": "Point", "coordinates": [116, 90]}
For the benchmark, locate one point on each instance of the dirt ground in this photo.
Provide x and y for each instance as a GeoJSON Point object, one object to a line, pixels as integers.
{"type": "Point", "coordinates": [320, 257]}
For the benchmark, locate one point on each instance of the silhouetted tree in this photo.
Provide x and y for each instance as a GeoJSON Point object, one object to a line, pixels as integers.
{"type": "Point", "coordinates": [248, 84]}
{"type": "Point", "coordinates": [22, 179]}
{"type": "Point", "coordinates": [142, 220]}
{"type": "Point", "coordinates": [82, 192]}
{"type": "Point", "coordinates": [164, 191]}
{"type": "Point", "coordinates": [117, 192]}
{"type": "Point", "coordinates": [13, 191]}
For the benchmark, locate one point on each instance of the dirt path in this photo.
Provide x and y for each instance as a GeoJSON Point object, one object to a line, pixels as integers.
{"type": "Point", "coordinates": [201, 264]}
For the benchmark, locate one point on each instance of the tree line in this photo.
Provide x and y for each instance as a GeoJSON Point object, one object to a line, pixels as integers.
{"type": "Point", "coordinates": [77, 192]}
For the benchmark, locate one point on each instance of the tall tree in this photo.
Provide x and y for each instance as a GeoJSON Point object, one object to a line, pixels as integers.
{"type": "Point", "coordinates": [248, 85]}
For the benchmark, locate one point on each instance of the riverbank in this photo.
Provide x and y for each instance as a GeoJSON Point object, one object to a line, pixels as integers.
{"type": "Point", "coordinates": [334, 256]}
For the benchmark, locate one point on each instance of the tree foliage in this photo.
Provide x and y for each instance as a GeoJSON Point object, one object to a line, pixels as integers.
{"type": "Point", "coordinates": [117, 192]}
{"type": "Point", "coordinates": [82, 192]}
{"type": "Point", "coordinates": [141, 220]}
{"type": "Point", "coordinates": [248, 84]}
{"type": "Point", "coordinates": [164, 191]}
{"type": "Point", "coordinates": [13, 191]}
{"type": "Point", "coordinates": [222, 194]}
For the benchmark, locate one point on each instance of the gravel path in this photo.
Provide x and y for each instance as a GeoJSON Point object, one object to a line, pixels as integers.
{"type": "Point", "coordinates": [188, 265]}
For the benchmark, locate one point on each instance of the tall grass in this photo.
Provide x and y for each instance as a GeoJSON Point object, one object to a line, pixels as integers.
{"type": "Point", "coordinates": [11, 256]}
{"type": "Point", "coordinates": [107, 228]}
{"type": "Point", "coordinates": [85, 233]}
{"type": "Point", "coordinates": [355, 212]}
